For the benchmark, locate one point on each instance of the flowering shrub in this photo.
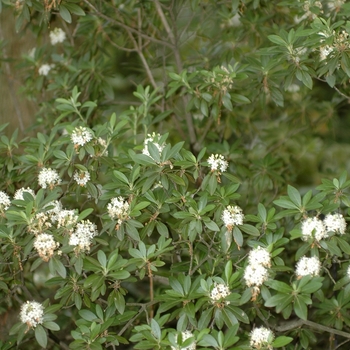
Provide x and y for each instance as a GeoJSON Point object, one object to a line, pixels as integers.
{"type": "Point", "coordinates": [173, 212]}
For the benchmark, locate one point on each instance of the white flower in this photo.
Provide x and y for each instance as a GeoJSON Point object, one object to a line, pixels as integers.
{"type": "Point", "coordinates": [57, 36]}
{"type": "Point", "coordinates": [293, 88]}
{"type": "Point", "coordinates": [19, 193]}
{"type": "Point", "coordinates": [81, 177]}
{"type": "Point", "coordinates": [118, 208]}
{"type": "Point", "coordinates": [308, 266]}
{"type": "Point", "coordinates": [186, 335]}
{"type": "Point", "coordinates": [153, 138]}
{"type": "Point", "coordinates": [232, 216]}
{"type": "Point", "coordinates": [325, 51]}
{"type": "Point", "coordinates": [5, 201]}
{"type": "Point", "coordinates": [335, 223]}
{"type": "Point", "coordinates": [82, 236]}
{"type": "Point", "coordinates": [57, 207]}
{"type": "Point", "coordinates": [48, 177]}
{"type": "Point", "coordinates": [44, 69]}
{"type": "Point", "coordinates": [259, 256]}
{"type": "Point", "coordinates": [39, 223]}
{"type": "Point", "coordinates": [217, 162]}
{"type": "Point", "coordinates": [313, 228]}
{"type": "Point", "coordinates": [45, 245]}
{"type": "Point", "coordinates": [65, 218]}
{"type": "Point", "coordinates": [334, 5]}
{"type": "Point", "coordinates": [348, 271]}
{"type": "Point", "coordinates": [261, 337]}
{"type": "Point", "coordinates": [219, 291]}
{"type": "Point", "coordinates": [32, 313]}
{"type": "Point", "coordinates": [80, 136]}
{"type": "Point", "coordinates": [255, 275]}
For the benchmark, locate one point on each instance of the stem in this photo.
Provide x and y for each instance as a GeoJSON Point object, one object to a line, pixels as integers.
{"type": "Point", "coordinates": [151, 292]}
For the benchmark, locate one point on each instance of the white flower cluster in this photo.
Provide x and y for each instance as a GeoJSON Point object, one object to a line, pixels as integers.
{"type": "Point", "coordinates": [45, 245]}
{"type": "Point", "coordinates": [259, 256]}
{"type": "Point", "coordinates": [81, 177]}
{"type": "Point", "coordinates": [221, 78]}
{"type": "Point", "coordinates": [57, 36]}
{"type": "Point", "coordinates": [5, 201]}
{"type": "Point", "coordinates": [313, 228]}
{"type": "Point", "coordinates": [48, 177]}
{"type": "Point", "coordinates": [102, 147]}
{"type": "Point", "coordinates": [217, 162]}
{"type": "Point", "coordinates": [335, 223]}
{"type": "Point", "coordinates": [318, 229]}
{"type": "Point", "coordinates": [58, 220]}
{"type": "Point", "coordinates": [308, 266]}
{"type": "Point", "coordinates": [334, 5]}
{"type": "Point", "coordinates": [220, 291]}
{"type": "Point", "coordinates": [39, 223]}
{"type": "Point", "coordinates": [325, 51]}
{"type": "Point", "coordinates": [186, 335]}
{"type": "Point", "coordinates": [19, 193]}
{"type": "Point", "coordinates": [307, 13]}
{"type": "Point", "coordinates": [65, 218]}
{"type": "Point", "coordinates": [261, 337]}
{"type": "Point", "coordinates": [153, 138]}
{"type": "Point", "coordinates": [32, 314]}
{"type": "Point", "coordinates": [82, 236]}
{"type": "Point", "coordinates": [45, 68]}
{"type": "Point", "coordinates": [80, 136]}
{"type": "Point", "coordinates": [232, 216]}
{"type": "Point", "coordinates": [256, 272]}
{"type": "Point", "coordinates": [348, 271]}
{"type": "Point", "coordinates": [118, 209]}
{"type": "Point", "coordinates": [340, 43]}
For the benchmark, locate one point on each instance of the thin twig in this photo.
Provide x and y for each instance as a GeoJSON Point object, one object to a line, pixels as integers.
{"type": "Point", "coordinates": [144, 61]}
{"type": "Point", "coordinates": [142, 309]}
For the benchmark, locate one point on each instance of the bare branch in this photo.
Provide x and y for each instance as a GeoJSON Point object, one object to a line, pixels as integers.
{"type": "Point", "coordinates": [126, 27]}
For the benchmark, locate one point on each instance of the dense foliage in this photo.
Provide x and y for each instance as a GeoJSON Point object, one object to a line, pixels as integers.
{"type": "Point", "coordinates": [168, 194]}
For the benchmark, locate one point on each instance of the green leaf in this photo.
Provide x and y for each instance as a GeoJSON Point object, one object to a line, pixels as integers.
{"type": "Point", "coordinates": [240, 99]}
{"type": "Point", "coordinates": [279, 342]}
{"type": "Point", "coordinates": [156, 329]}
{"type": "Point", "coordinates": [64, 13]}
{"type": "Point", "coordinates": [85, 213]}
{"type": "Point", "coordinates": [279, 286]}
{"type": "Point", "coordinates": [40, 336]}
{"type": "Point", "coordinates": [88, 315]}
{"type": "Point", "coordinates": [120, 176]}
{"type": "Point", "coordinates": [294, 195]}
{"type": "Point", "coordinates": [211, 225]}
{"type": "Point", "coordinates": [250, 229]}
{"type": "Point", "coordinates": [300, 308]}
{"type": "Point", "coordinates": [277, 40]}
{"type": "Point", "coordinates": [51, 325]}
{"type": "Point", "coordinates": [77, 10]}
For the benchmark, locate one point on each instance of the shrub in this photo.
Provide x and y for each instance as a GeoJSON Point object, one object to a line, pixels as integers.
{"type": "Point", "coordinates": [168, 193]}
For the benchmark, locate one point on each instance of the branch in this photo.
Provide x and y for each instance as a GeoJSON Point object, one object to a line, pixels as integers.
{"type": "Point", "coordinates": [299, 323]}
{"type": "Point", "coordinates": [126, 27]}
{"type": "Point", "coordinates": [173, 39]}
